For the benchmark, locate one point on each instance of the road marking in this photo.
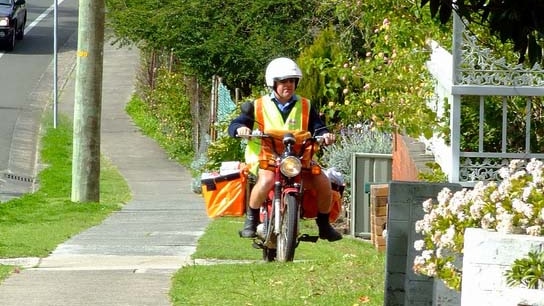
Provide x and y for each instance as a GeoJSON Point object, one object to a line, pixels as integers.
{"type": "Point", "coordinates": [38, 20]}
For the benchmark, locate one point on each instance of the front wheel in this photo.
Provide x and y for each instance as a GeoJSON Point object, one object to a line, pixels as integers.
{"type": "Point", "coordinates": [20, 33]}
{"type": "Point", "coordinates": [10, 41]}
{"type": "Point", "coordinates": [287, 239]}
{"type": "Point", "coordinates": [269, 254]}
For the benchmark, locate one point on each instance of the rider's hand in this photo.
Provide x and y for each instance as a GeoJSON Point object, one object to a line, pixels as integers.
{"type": "Point", "coordinates": [329, 138]}
{"type": "Point", "coordinates": [243, 131]}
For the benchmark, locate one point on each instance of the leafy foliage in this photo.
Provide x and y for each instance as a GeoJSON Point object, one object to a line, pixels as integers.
{"type": "Point", "coordinates": [362, 60]}
{"type": "Point", "coordinates": [516, 21]}
{"type": "Point", "coordinates": [225, 148]}
{"type": "Point", "coordinates": [173, 110]}
{"type": "Point", "coordinates": [527, 271]}
{"type": "Point", "coordinates": [318, 84]}
{"type": "Point", "coordinates": [135, 21]}
{"type": "Point", "coordinates": [234, 39]}
{"type": "Point", "coordinates": [369, 65]}
{"type": "Point", "coordinates": [166, 117]}
{"type": "Point", "coordinates": [493, 125]}
{"type": "Point", "coordinates": [435, 174]}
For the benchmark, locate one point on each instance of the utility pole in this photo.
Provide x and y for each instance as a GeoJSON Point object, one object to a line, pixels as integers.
{"type": "Point", "coordinates": [88, 102]}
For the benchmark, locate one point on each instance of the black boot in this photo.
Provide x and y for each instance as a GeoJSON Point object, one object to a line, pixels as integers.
{"type": "Point", "coordinates": [250, 226]}
{"type": "Point", "coordinates": [326, 231]}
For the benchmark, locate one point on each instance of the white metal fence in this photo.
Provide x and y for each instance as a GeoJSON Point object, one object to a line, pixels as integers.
{"type": "Point", "coordinates": [472, 73]}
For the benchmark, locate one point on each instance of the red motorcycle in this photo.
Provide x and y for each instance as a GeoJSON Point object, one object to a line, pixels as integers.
{"type": "Point", "coordinates": [289, 155]}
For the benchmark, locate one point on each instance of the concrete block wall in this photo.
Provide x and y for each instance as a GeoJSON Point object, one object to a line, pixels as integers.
{"type": "Point", "coordinates": [402, 285]}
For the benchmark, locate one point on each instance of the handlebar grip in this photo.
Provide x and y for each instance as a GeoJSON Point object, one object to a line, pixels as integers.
{"type": "Point", "coordinates": [320, 139]}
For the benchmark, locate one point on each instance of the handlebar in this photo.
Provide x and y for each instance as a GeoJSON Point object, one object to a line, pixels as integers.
{"type": "Point", "coordinates": [293, 141]}
{"type": "Point", "coordinates": [254, 134]}
{"type": "Point", "coordinates": [257, 134]}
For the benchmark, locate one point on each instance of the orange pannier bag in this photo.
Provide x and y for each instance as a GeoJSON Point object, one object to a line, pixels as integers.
{"type": "Point", "coordinates": [309, 206]}
{"type": "Point", "coordinates": [224, 195]}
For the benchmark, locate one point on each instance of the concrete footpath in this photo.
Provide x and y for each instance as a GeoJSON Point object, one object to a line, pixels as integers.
{"type": "Point", "coordinates": [129, 258]}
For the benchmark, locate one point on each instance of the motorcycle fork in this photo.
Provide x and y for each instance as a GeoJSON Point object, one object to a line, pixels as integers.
{"type": "Point", "coordinates": [277, 201]}
{"type": "Point", "coordinates": [295, 189]}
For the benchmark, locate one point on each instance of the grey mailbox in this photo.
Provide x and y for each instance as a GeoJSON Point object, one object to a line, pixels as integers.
{"type": "Point", "coordinates": [367, 169]}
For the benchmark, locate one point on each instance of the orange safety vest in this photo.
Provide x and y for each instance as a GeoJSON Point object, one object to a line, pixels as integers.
{"type": "Point", "coordinates": [268, 117]}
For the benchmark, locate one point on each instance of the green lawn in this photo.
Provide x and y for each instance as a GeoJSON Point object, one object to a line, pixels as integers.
{"type": "Point", "coordinates": [346, 272]}
{"type": "Point", "coordinates": [34, 224]}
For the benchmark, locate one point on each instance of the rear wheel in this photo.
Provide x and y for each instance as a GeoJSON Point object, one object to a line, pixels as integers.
{"type": "Point", "coordinates": [287, 239]}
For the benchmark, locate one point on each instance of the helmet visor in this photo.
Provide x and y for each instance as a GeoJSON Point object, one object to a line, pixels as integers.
{"type": "Point", "coordinates": [287, 80]}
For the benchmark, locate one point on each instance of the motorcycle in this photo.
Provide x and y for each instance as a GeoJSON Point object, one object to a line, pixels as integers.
{"type": "Point", "coordinates": [289, 155]}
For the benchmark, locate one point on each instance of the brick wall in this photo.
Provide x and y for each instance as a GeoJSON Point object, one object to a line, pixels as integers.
{"type": "Point", "coordinates": [378, 214]}
{"type": "Point", "coordinates": [409, 158]}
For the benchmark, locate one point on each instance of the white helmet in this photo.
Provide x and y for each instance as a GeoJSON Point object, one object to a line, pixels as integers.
{"type": "Point", "coordinates": [280, 69]}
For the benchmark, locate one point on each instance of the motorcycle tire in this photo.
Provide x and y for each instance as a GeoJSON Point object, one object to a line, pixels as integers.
{"type": "Point", "coordinates": [287, 239]}
{"type": "Point", "coordinates": [269, 255]}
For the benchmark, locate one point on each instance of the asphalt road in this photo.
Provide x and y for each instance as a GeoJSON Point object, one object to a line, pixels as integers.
{"type": "Point", "coordinates": [26, 88]}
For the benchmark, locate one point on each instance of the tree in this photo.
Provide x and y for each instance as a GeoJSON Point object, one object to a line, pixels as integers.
{"type": "Point", "coordinates": [134, 21]}
{"type": "Point", "coordinates": [521, 22]}
{"type": "Point", "coordinates": [234, 39]}
{"type": "Point", "coordinates": [369, 65]}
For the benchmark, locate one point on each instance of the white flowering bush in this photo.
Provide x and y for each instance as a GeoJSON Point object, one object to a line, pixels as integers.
{"type": "Point", "coordinates": [513, 205]}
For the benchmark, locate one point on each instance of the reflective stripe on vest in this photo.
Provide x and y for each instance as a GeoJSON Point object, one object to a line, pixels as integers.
{"type": "Point", "coordinates": [268, 117]}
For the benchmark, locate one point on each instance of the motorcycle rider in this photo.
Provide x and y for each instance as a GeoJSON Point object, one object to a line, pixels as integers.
{"type": "Point", "coordinates": [283, 109]}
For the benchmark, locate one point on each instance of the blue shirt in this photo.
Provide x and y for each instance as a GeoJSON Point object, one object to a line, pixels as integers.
{"type": "Point", "coordinates": [285, 107]}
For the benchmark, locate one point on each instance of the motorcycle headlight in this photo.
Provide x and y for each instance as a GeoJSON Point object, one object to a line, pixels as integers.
{"type": "Point", "coordinates": [4, 21]}
{"type": "Point", "coordinates": [290, 166]}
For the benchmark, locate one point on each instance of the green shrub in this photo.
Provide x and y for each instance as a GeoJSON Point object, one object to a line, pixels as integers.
{"type": "Point", "coordinates": [434, 175]}
{"type": "Point", "coordinates": [172, 107]}
{"type": "Point", "coordinates": [354, 140]}
{"type": "Point", "coordinates": [527, 271]}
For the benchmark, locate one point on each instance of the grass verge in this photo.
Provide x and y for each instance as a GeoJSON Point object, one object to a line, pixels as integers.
{"type": "Point", "coordinates": [346, 272]}
{"type": "Point", "coordinates": [5, 271]}
{"type": "Point", "coordinates": [34, 224]}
